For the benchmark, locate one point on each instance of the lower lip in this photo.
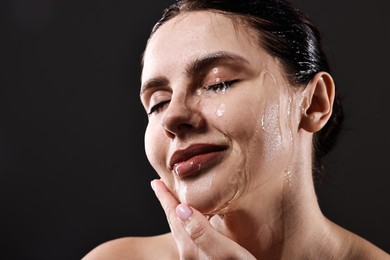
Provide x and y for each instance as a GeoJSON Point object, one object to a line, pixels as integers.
{"type": "Point", "coordinates": [196, 164]}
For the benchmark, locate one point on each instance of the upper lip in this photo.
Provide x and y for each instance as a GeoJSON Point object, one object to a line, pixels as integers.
{"type": "Point", "coordinates": [193, 150]}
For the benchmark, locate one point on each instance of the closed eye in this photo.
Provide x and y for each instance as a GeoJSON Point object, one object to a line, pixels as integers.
{"type": "Point", "coordinates": [221, 86]}
{"type": "Point", "coordinates": [158, 107]}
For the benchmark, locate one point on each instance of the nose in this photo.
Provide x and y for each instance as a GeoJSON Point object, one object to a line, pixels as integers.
{"type": "Point", "coordinates": [180, 117]}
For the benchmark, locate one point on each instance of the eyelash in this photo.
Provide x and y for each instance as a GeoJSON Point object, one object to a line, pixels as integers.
{"type": "Point", "coordinates": [158, 107]}
{"type": "Point", "coordinates": [221, 86]}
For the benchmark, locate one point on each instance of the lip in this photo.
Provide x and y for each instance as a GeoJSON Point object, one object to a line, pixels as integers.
{"type": "Point", "coordinates": [192, 159]}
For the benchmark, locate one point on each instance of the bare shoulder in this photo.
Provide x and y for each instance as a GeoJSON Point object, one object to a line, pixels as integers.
{"type": "Point", "coordinates": [350, 245]}
{"type": "Point", "coordinates": [360, 248]}
{"type": "Point", "coordinates": [153, 247]}
{"type": "Point", "coordinates": [366, 250]}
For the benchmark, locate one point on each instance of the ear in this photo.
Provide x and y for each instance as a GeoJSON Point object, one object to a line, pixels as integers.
{"type": "Point", "coordinates": [317, 102]}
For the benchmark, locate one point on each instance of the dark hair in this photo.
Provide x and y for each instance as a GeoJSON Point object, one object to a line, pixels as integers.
{"type": "Point", "coordinates": [287, 34]}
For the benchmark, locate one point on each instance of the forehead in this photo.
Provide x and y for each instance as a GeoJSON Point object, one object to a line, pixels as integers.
{"type": "Point", "coordinates": [191, 35]}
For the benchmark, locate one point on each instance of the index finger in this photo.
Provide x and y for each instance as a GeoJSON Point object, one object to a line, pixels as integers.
{"type": "Point", "coordinates": [167, 200]}
{"type": "Point", "coordinates": [169, 204]}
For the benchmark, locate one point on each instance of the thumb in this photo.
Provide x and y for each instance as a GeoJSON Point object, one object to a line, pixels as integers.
{"type": "Point", "coordinates": [209, 241]}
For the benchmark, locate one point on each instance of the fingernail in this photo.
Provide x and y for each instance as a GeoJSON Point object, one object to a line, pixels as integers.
{"type": "Point", "coordinates": [153, 185]}
{"type": "Point", "coordinates": [183, 211]}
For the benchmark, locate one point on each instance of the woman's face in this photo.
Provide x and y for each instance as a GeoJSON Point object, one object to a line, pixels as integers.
{"type": "Point", "coordinates": [222, 118]}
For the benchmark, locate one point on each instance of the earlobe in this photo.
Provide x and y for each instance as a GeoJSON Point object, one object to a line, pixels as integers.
{"type": "Point", "coordinates": [317, 102]}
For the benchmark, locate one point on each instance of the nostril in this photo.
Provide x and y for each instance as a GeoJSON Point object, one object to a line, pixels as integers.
{"type": "Point", "coordinates": [169, 134]}
{"type": "Point", "coordinates": [197, 120]}
{"type": "Point", "coordinates": [180, 122]}
{"type": "Point", "coordinates": [180, 116]}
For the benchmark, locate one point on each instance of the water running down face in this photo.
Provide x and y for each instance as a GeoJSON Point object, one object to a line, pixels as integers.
{"type": "Point", "coordinates": [222, 117]}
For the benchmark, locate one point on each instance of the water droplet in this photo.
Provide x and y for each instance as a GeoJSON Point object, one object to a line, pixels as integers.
{"type": "Point", "coordinates": [287, 177]}
{"type": "Point", "coordinates": [176, 169]}
{"type": "Point", "coordinates": [221, 110]}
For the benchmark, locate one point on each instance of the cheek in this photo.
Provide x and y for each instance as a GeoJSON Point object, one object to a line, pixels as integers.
{"type": "Point", "coordinates": [149, 146]}
{"type": "Point", "coordinates": [260, 126]}
{"type": "Point", "coordinates": [271, 124]}
{"type": "Point", "coordinates": [154, 148]}
{"type": "Point", "coordinates": [233, 113]}
{"type": "Point", "coordinates": [280, 133]}
{"type": "Point", "coordinates": [275, 123]}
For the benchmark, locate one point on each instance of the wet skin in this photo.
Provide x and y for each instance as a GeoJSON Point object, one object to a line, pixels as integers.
{"type": "Point", "coordinates": [221, 108]}
{"type": "Point", "coordinates": [231, 139]}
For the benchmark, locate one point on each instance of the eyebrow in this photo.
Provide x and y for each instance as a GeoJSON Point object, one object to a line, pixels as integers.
{"type": "Point", "coordinates": [154, 83]}
{"type": "Point", "coordinates": [199, 64]}
{"type": "Point", "coordinates": [196, 67]}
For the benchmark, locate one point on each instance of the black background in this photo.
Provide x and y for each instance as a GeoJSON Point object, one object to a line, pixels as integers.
{"type": "Point", "coordinates": [73, 171]}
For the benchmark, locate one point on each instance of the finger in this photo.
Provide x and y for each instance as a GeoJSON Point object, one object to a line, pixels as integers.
{"type": "Point", "coordinates": [206, 237]}
{"type": "Point", "coordinates": [168, 202]}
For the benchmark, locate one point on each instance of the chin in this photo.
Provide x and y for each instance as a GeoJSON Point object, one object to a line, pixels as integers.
{"type": "Point", "coordinates": [208, 199]}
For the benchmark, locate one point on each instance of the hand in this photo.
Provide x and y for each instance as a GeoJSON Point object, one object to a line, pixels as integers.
{"type": "Point", "coordinates": [194, 236]}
